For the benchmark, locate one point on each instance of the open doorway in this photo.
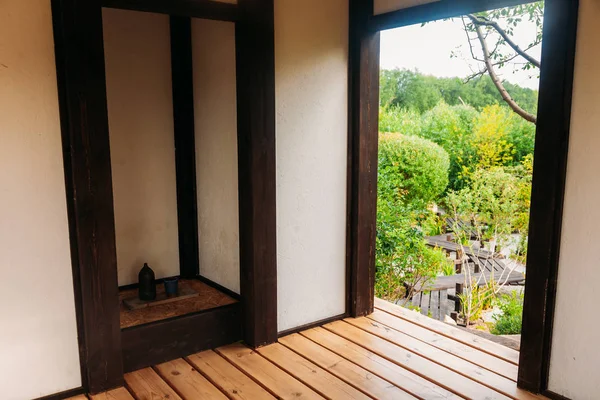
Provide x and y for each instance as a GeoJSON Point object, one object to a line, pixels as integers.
{"type": "Point", "coordinates": [549, 167]}
{"type": "Point", "coordinates": [457, 122]}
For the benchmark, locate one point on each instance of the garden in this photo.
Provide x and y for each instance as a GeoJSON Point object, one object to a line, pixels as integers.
{"type": "Point", "coordinates": [454, 159]}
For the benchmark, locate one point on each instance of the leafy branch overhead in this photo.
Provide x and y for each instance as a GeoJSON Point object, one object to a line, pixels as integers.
{"type": "Point", "coordinates": [493, 33]}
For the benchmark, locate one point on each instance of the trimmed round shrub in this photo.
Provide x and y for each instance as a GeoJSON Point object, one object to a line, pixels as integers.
{"type": "Point", "coordinates": [411, 169]}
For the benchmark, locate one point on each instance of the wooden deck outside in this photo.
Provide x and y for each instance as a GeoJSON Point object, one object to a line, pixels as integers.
{"type": "Point", "coordinates": [392, 354]}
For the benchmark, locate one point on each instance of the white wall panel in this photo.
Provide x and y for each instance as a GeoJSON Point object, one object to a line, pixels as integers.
{"type": "Point", "coordinates": [311, 64]}
{"type": "Point", "coordinates": [140, 114]}
{"type": "Point", "coordinates": [216, 151]}
{"type": "Point", "coordinates": [575, 362]}
{"type": "Point", "coordinates": [38, 336]}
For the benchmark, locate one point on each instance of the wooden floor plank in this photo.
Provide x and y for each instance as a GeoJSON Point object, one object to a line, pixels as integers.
{"type": "Point", "coordinates": [443, 358]}
{"type": "Point", "coordinates": [116, 394]}
{"type": "Point", "coordinates": [471, 354]}
{"type": "Point", "coordinates": [442, 376]}
{"type": "Point", "coordinates": [228, 378]}
{"type": "Point", "coordinates": [347, 371]}
{"type": "Point", "coordinates": [313, 376]}
{"type": "Point", "coordinates": [378, 365]}
{"type": "Point", "coordinates": [145, 384]}
{"type": "Point", "coordinates": [78, 397]}
{"type": "Point", "coordinates": [281, 384]}
{"type": "Point", "coordinates": [187, 381]}
{"type": "Point", "coordinates": [441, 328]}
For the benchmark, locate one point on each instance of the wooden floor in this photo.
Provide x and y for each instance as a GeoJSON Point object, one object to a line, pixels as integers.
{"type": "Point", "coordinates": [392, 354]}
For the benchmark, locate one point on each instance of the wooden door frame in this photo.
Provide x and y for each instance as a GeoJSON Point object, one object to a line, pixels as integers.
{"type": "Point", "coordinates": [79, 47]}
{"type": "Point", "coordinates": [551, 149]}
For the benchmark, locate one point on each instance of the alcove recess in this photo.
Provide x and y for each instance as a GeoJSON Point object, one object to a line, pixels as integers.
{"type": "Point", "coordinates": [171, 93]}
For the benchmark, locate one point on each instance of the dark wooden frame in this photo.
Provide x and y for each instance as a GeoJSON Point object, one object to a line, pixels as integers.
{"type": "Point", "coordinates": [255, 62]}
{"type": "Point", "coordinates": [547, 198]}
{"type": "Point", "coordinates": [84, 124]}
{"type": "Point", "coordinates": [207, 9]}
{"type": "Point", "coordinates": [86, 150]}
{"type": "Point", "coordinates": [165, 340]}
{"type": "Point", "coordinates": [363, 114]}
{"type": "Point", "coordinates": [551, 149]}
{"type": "Point", "coordinates": [185, 145]}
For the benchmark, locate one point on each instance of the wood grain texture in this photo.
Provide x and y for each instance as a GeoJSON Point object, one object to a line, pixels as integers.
{"type": "Point", "coordinates": [150, 344]}
{"type": "Point", "coordinates": [208, 298]}
{"type": "Point", "coordinates": [454, 347]}
{"type": "Point", "coordinates": [451, 332]}
{"type": "Point", "coordinates": [379, 366]}
{"type": "Point", "coordinates": [442, 376]}
{"type": "Point", "coordinates": [443, 358]}
{"type": "Point", "coordinates": [352, 374]}
{"type": "Point", "coordinates": [281, 384]}
{"type": "Point", "coordinates": [145, 384]}
{"type": "Point", "coordinates": [313, 376]}
{"type": "Point", "coordinates": [548, 189]}
{"type": "Point", "coordinates": [86, 153]}
{"type": "Point", "coordinates": [188, 382]}
{"type": "Point", "coordinates": [255, 66]}
{"type": "Point", "coordinates": [437, 10]}
{"type": "Point", "coordinates": [185, 145]}
{"type": "Point", "coordinates": [207, 9]}
{"type": "Point", "coordinates": [362, 158]}
{"type": "Point", "coordinates": [228, 378]}
{"type": "Point", "coordinates": [115, 394]}
{"type": "Point", "coordinates": [79, 397]}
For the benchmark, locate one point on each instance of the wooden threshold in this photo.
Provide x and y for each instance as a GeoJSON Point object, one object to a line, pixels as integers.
{"type": "Point", "coordinates": [393, 353]}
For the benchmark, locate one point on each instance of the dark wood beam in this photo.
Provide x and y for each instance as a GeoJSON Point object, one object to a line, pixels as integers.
{"type": "Point", "coordinates": [207, 9]}
{"type": "Point", "coordinates": [362, 158]}
{"type": "Point", "coordinates": [155, 343]}
{"type": "Point", "coordinates": [436, 10]}
{"type": "Point", "coordinates": [185, 145]}
{"type": "Point", "coordinates": [84, 123]}
{"type": "Point", "coordinates": [255, 55]}
{"type": "Point", "coordinates": [549, 176]}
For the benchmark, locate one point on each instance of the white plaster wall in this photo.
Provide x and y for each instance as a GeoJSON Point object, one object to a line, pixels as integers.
{"type": "Point", "coordinates": [38, 334]}
{"type": "Point", "coordinates": [575, 360]}
{"type": "Point", "coordinates": [215, 112]}
{"type": "Point", "coordinates": [311, 64]}
{"type": "Point", "coordinates": [384, 6]}
{"type": "Point", "coordinates": [140, 114]}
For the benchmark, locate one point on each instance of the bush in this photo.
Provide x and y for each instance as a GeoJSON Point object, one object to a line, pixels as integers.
{"type": "Point", "coordinates": [451, 127]}
{"type": "Point", "coordinates": [403, 258]}
{"type": "Point", "coordinates": [397, 120]}
{"type": "Point", "coordinates": [411, 170]}
{"type": "Point", "coordinates": [511, 319]}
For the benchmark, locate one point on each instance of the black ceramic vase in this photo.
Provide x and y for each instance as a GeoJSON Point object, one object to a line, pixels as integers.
{"type": "Point", "coordinates": [146, 283]}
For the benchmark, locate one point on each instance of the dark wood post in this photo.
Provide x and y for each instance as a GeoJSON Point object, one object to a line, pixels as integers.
{"type": "Point", "coordinates": [185, 145]}
{"type": "Point", "coordinates": [362, 157]}
{"type": "Point", "coordinates": [84, 123]}
{"type": "Point", "coordinates": [255, 55]}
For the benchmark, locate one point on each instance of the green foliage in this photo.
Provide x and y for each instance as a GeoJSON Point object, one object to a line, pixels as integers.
{"type": "Point", "coordinates": [489, 203]}
{"type": "Point", "coordinates": [475, 300]}
{"type": "Point", "coordinates": [398, 120]}
{"type": "Point", "coordinates": [412, 173]}
{"type": "Point", "coordinates": [403, 259]}
{"type": "Point", "coordinates": [451, 127]}
{"type": "Point", "coordinates": [510, 321]}
{"type": "Point", "coordinates": [414, 91]}
{"type": "Point", "coordinates": [411, 169]}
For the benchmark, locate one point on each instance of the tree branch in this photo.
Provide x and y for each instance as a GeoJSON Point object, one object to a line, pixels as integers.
{"type": "Point", "coordinates": [482, 22]}
{"type": "Point", "coordinates": [490, 68]}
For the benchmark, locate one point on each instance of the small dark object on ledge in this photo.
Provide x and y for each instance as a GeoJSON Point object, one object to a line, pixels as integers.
{"type": "Point", "coordinates": [147, 284]}
{"type": "Point", "coordinates": [171, 286]}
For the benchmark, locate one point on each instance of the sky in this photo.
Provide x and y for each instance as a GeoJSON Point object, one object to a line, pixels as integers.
{"type": "Point", "coordinates": [428, 48]}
